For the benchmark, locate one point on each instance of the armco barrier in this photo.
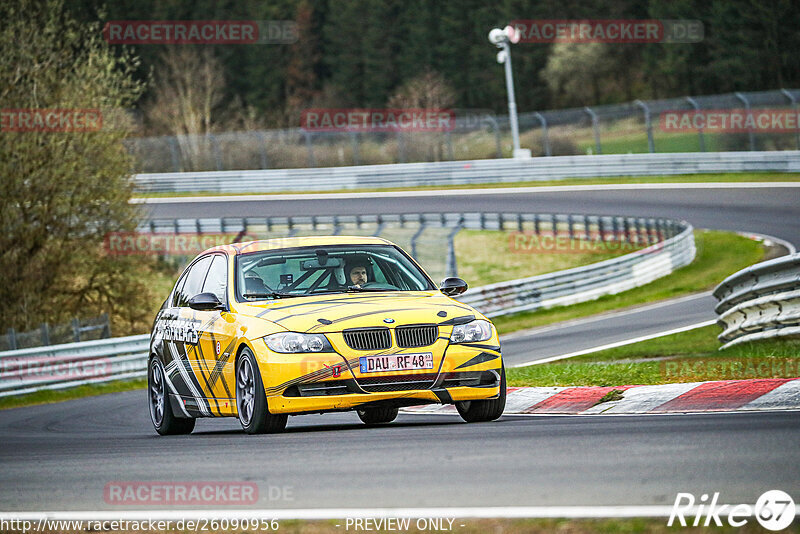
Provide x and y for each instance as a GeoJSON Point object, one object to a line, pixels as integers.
{"type": "Point", "coordinates": [72, 364]}
{"type": "Point", "coordinates": [760, 302]}
{"type": "Point", "coordinates": [468, 172]}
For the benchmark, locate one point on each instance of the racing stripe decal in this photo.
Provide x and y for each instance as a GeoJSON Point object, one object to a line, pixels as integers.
{"type": "Point", "coordinates": [356, 316]}
{"type": "Point", "coordinates": [188, 377]}
{"type": "Point", "coordinates": [326, 372]}
{"type": "Point", "coordinates": [480, 358]}
{"type": "Point", "coordinates": [201, 362]}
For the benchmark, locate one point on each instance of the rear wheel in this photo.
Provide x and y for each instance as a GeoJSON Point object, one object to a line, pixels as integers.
{"type": "Point", "coordinates": [161, 414]}
{"type": "Point", "coordinates": [251, 401]}
{"type": "Point", "coordinates": [377, 416]}
{"type": "Point", "coordinates": [484, 410]}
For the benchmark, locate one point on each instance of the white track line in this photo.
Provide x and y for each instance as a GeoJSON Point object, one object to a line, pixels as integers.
{"type": "Point", "coordinates": [464, 192]}
{"type": "Point", "coordinates": [618, 343]}
{"type": "Point", "coordinates": [487, 512]}
{"type": "Point", "coordinates": [603, 316]}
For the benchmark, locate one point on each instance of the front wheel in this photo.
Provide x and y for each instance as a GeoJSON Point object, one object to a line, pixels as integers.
{"type": "Point", "coordinates": [251, 401]}
{"type": "Point", "coordinates": [161, 414]}
{"type": "Point", "coordinates": [377, 416]}
{"type": "Point", "coordinates": [484, 410]}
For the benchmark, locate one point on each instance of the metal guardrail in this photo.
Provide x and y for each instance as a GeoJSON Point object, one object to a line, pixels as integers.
{"type": "Point", "coordinates": [585, 283]}
{"type": "Point", "coordinates": [467, 172]}
{"type": "Point", "coordinates": [760, 302]}
{"type": "Point", "coordinates": [73, 364]}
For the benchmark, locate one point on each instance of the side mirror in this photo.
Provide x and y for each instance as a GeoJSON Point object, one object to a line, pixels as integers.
{"type": "Point", "coordinates": [453, 286]}
{"type": "Point", "coordinates": [206, 302]}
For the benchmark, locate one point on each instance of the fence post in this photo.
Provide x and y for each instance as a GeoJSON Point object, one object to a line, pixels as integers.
{"type": "Point", "coordinates": [262, 143]}
{"type": "Point", "coordinates": [449, 145]}
{"type": "Point", "coordinates": [452, 264]}
{"type": "Point", "coordinates": [793, 100]}
{"type": "Point", "coordinates": [356, 154]}
{"type": "Point", "coordinates": [496, 127]}
{"type": "Point", "coordinates": [311, 161]}
{"type": "Point", "coordinates": [215, 151]}
{"type": "Point", "coordinates": [700, 137]}
{"type": "Point", "coordinates": [175, 153]}
{"type": "Point", "coordinates": [76, 330]}
{"type": "Point", "coordinates": [595, 128]}
{"type": "Point", "coordinates": [12, 339]}
{"type": "Point", "coordinates": [45, 333]}
{"type": "Point", "coordinates": [401, 147]}
{"type": "Point", "coordinates": [107, 326]}
{"type": "Point", "coordinates": [647, 124]}
{"type": "Point", "coordinates": [545, 137]}
{"type": "Point", "coordinates": [750, 135]}
{"type": "Point", "coordinates": [416, 235]}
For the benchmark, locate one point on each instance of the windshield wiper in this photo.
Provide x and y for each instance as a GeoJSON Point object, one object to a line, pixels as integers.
{"type": "Point", "coordinates": [273, 294]}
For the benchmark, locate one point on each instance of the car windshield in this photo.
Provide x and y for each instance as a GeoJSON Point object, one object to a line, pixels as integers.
{"type": "Point", "coordinates": [326, 269]}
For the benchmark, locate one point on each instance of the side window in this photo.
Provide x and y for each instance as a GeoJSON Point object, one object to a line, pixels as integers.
{"type": "Point", "coordinates": [217, 279]}
{"type": "Point", "coordinates": [176, 296]}
{"type": "Point", "coordinates": [194, 282]}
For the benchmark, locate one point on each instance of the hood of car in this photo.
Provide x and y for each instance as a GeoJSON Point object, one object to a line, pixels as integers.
{"type": "Point", "coordinates": [337, 312]}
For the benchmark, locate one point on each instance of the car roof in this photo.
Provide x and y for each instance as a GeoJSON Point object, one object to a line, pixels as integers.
{"type": "Point", "coordinates": [292, 242]}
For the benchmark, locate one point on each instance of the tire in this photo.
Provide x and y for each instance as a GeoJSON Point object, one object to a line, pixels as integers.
{"type": "Point", "coordinates": [484, 410]}
{"type": "Point", "coordinates": [251, 401]}
{"type": "Point", "coordinates": [161, 414]}
{"type": "Point", "coordinates": [377, 416]}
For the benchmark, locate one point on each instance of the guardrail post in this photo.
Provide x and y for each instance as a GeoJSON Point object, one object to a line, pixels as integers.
{"type": "Point", "coordinates": [309, 146]}
{"type": "Point", "coordinates": [793, 101]}
{"type": "Point", "coordinates": [356, 154]}
{"type": "Point", "coordinates": [545, 137]}
{"type": "Point", "coordinates": [648, 125]}
{"type": "Point", "coordinates": [401, 147]}
{"type": "Point", "coordinates": [106, 326]}
{"type": "Point", "coordinates": [12, 339]}
{"type": "Point", "coordinates": [700, 137]}
{"type": "Point", "coordinates": [750, 134]}
{"type": "Point", "coordinates": [45, 333]}
{"type": "Point", "coordinates": [595, 129]}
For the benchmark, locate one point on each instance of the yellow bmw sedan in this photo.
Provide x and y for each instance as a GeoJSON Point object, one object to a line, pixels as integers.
{"type": "Point", "coordinates": [267, 329]}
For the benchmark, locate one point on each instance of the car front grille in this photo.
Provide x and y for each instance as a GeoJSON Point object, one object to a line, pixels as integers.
{"type": "Point", "coordinates": [368, 338]}
{"type": "Point", "coordinates": [381, 384]}
{"type": "Point", "coordinates": [416, 336]}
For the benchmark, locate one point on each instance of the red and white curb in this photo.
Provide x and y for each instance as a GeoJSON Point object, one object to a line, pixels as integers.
{"type": "Point", "coordinates": [721, 396]}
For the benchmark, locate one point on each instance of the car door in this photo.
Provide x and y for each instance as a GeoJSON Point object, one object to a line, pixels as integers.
{"type": "Point", "coordinates": [217, 336]}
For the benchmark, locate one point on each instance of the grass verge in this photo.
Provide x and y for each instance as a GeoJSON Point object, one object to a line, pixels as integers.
{"type": "Point", "coordinates": [58, 395]}
{"type": "Point", "coordinates": [680, 178]}
{"type": "Point", "coordinates": [691, 356]}
{"type": "Point", "coordinates": [719, 254]}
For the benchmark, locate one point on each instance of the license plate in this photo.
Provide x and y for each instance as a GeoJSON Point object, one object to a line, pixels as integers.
{"type": "Point", "coordinates": [396, 362]}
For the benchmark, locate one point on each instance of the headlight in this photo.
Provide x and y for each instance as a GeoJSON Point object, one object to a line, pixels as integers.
{"type": "Point", "coordinates": [478, 330]}
{"type": "Point", "coordinates": [293, 342]}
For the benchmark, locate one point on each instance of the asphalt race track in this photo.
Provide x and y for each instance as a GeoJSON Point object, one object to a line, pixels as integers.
{"type": "Point", "coordinates": [61, 456]}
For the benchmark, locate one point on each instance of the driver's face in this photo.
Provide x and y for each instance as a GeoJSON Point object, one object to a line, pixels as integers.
{"type": "Point", "coordinates": [358, 275]}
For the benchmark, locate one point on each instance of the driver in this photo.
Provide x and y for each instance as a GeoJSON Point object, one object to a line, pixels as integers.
{"type": "Point", "coordinates": [357, 273]}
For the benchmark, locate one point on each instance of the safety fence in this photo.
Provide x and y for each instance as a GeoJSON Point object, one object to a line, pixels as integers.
{"type": "Point", "coordinates": [661, 246]}
{"type": "Point", "coordinates": [47, 334]}
{"type": "Point", "coordinates": [467, 172]}
{"type": "Point", "coordinates": [630, 127]}
{"type": "Point", "coordinates": [760, 302]}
